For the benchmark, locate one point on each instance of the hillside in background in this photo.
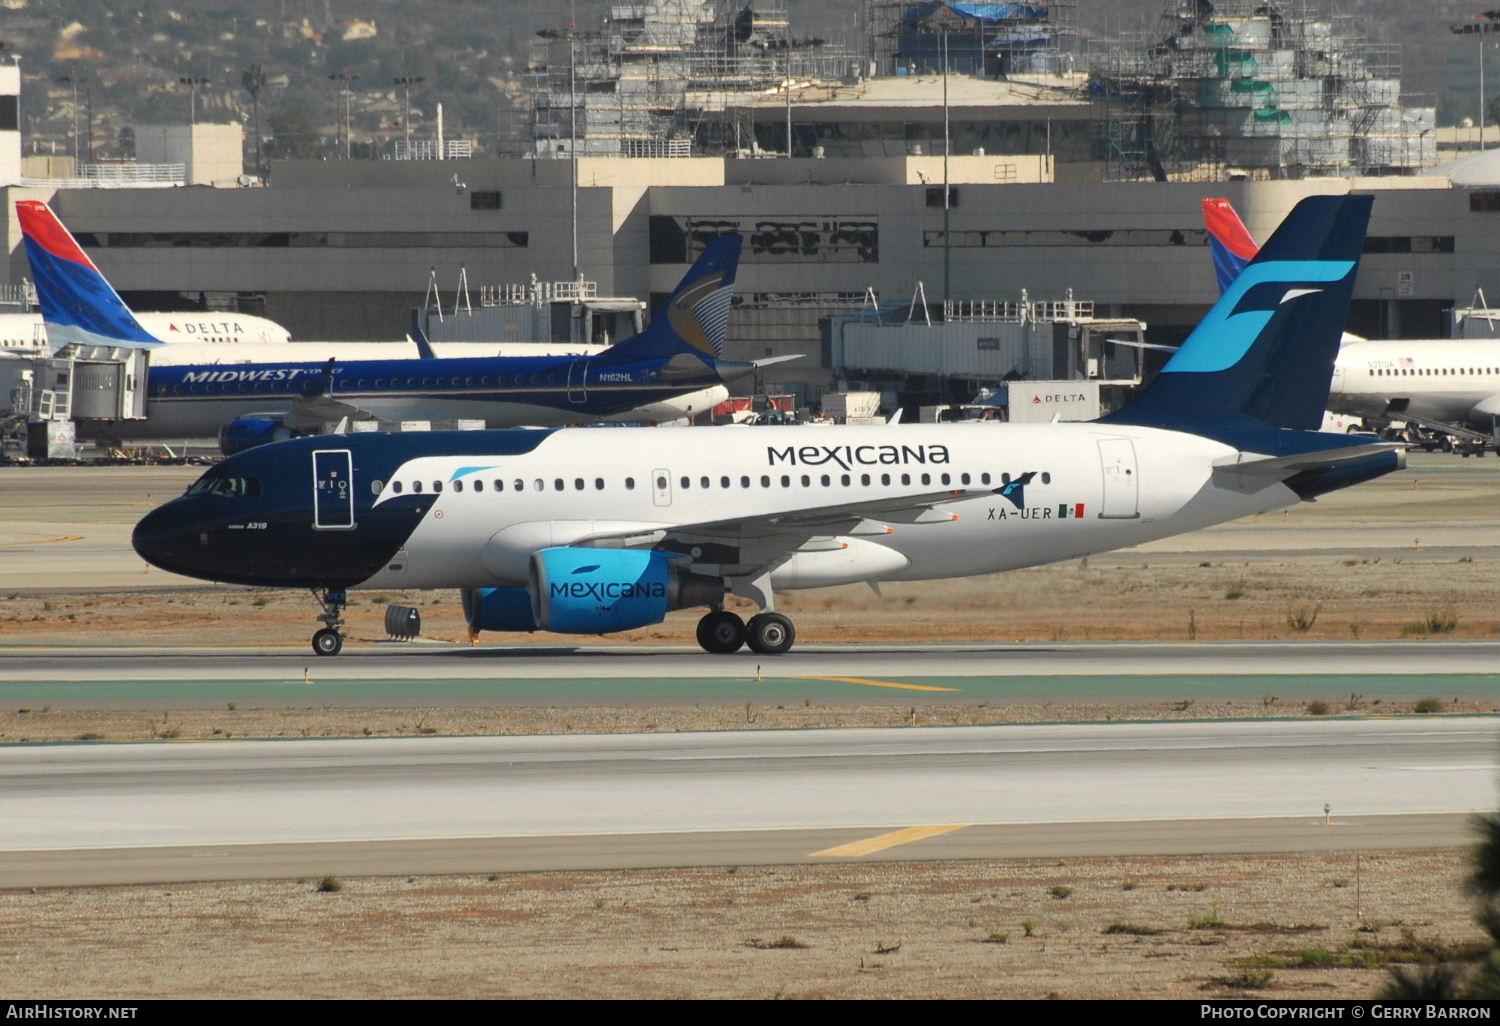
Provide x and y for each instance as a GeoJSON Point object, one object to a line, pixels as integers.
{"type": "Point", "coordinates": [319, 57]}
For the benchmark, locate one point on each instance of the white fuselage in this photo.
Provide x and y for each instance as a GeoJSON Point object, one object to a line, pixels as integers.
{"type": "Point", "coordinates": [1095, 488]}
{"type": "Point", "coordinates": [25, 333]}
{"type": "Point", "coordinates": [1452, 381]}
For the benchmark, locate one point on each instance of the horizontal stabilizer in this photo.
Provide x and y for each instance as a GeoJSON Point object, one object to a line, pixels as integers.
{"type": "Point", "coordinates": [1248, 472]}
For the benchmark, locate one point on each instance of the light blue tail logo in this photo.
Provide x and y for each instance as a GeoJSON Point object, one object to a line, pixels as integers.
{"type": "Point", "coordinates": [1223, 338]}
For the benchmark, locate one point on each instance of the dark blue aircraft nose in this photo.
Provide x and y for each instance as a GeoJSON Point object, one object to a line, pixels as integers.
{"type": "Point", "coordinates": [160, 540]}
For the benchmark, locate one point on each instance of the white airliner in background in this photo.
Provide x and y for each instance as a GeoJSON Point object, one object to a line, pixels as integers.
{"type": "Point", "coordinates": [1451, 386]}
{"type": "Point", "coordinates": [202, 331]}
{"type": "Point", "coordinates": [591, 531]}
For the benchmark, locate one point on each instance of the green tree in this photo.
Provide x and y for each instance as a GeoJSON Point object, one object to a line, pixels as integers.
{"type": "Point", "coordinates": [293, 136]}
{"type": "Point", "coordinates": [254, 80]}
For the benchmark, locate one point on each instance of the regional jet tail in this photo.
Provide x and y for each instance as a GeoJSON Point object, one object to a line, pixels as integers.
{"type": "Point", "coordinates": [592, 532]}
{"type": "Point", "coordinates": [1447, 386]}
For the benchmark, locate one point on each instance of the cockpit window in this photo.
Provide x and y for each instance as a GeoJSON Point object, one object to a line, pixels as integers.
{"type": "Point", "coordinates": [225, 487]}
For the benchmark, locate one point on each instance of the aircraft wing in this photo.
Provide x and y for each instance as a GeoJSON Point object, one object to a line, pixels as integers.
{"type": "Point", "coordinates": [788, 531]}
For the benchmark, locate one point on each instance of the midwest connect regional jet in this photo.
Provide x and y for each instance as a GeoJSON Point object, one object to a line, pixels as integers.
{"type": "Point", "coordinates": [591, 532]}
{"type": "Point", "coordinates": [670, 369]}
{"type": "Point", "coordinates": [1451, 386]}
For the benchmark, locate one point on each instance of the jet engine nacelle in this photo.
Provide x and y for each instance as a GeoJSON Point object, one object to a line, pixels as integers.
{"type": "Point", "coordinates": [247, 432]}
{"type": "Point", "coordinates": [498, 609]}
{"type": "Point", "coordinates": [590, 591]}
{"type": "Point", "coordinates": [600, 591]}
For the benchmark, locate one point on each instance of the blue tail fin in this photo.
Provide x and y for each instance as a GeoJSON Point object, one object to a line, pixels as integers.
{"type": "Point", "coordinates": [695, 319]}
{"type": "Point", "coordinates": [78, 305]}
{"type": "Point", "coordinates": [1266, 348]}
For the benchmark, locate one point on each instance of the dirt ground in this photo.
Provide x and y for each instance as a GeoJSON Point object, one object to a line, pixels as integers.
{"type": "Point", "coordinates": [1259, 927]}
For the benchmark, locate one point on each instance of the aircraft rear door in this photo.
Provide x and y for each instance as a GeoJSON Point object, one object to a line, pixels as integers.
{"type": "Point", "coordinates": [1117, 456]}
{"type": "Point", "coordinates": [333, 490]}
{"type": "Point", "coordinates": [578, 372]}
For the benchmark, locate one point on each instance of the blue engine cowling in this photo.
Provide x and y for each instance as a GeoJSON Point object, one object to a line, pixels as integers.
{"type": "Point", "coordinates": [591, 591]}
{"type": "Point", "coordinates": [498, 609]}
{"type": "Point", "coordinates": [247, 432]}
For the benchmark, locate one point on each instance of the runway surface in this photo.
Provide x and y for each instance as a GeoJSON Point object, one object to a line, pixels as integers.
{"type": "Point", "coordinates": [118, 813]}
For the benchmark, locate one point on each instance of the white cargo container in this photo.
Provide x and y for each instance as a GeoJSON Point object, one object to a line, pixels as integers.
{"type": "Point", "coordinates": [1041, 401]}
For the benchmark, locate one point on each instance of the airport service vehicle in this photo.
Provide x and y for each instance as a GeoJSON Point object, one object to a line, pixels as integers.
{"type": "Point", "coordinates": [596, 531]}
{"type": "Point", "coordinates": [671, 369]}
{"type": "Point", "coordinates": [1442, 386]}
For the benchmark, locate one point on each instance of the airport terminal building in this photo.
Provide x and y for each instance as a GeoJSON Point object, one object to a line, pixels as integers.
{"type": "Point", "coordinates": [345, 250]}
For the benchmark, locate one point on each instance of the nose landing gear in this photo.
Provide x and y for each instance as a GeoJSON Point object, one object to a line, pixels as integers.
{"type": "Point", "coordinates": [330, 640]}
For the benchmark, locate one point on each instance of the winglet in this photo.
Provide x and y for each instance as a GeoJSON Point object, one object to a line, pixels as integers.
{"type": "Point", "coordinates": [78, 304]}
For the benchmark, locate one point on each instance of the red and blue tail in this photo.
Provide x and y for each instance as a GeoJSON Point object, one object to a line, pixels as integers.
{"type": "Point", "coordinates": [78, 304]}
{"type": "Point", "coordinates": [1231, 244]}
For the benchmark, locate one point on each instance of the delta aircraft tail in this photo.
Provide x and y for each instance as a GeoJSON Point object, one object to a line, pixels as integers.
{"type": "Point", "coordinates": [78, 304]}
{"type": "Point", "coordinates": [1266, 349]}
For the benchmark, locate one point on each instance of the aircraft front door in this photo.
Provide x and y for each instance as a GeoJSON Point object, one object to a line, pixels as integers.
{"type": "Point", "coordinates": [1121, 489]}
{"type": "Point", "coordinates": [333, 490]}
{"type": "Point", "coordinates": [578, 372]}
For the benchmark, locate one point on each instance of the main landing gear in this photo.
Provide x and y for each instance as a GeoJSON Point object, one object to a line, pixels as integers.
{"type": "Point", "coordinates": [722, 632]}
{"type": "Point", "coordinates": [330, 640]}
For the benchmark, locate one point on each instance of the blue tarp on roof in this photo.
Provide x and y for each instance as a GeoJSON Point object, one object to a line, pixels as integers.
{"type": "Point", "coordinates": [982, 12]}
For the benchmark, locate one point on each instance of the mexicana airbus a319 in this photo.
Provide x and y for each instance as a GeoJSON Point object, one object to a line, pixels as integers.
{"type": "Point", "coordinates": [591, 532]}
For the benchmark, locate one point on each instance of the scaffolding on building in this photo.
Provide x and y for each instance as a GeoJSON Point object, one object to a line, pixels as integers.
{"type": "Point", "coordinates": [1259, 90]}
{"type": "Point", "coordinates": [660, 77]}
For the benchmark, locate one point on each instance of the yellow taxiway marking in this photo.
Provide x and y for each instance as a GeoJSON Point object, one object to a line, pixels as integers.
{"type": "Point", "coordinates": [881, 683]}
{"type": "Point", "coordinates": [46, 541]}
{"type": "Point", "coordinates": [890, 840]}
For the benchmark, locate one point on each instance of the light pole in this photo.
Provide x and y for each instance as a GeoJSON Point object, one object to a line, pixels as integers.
{"type": "Point", "coordinates": [1484, 23]}
{"type": "Point", "coordinates": [406, 82]}
{"type": "Point", "coordinates": [343, 78]}
{"type": "Point", "coordinates": [192, 82]}
{"type": "Point", "coordinates": [72, 80]}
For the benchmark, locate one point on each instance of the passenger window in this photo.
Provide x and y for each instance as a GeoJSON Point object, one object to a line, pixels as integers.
{"type": "Point", "coordinates": [906, 479]}
{"type": "Point", "coordinates": [416, 486]}
{"type": "Point", "coordinates": [557, 484]}
{"type": "Point", "coordinates": [984, 478]}
{"type": "Point", "coordinates": [437, 486]}
{"type": "Point", "coordinates": [946, 479]}
{"type": "Point", "coordinates": [765, 480]}
{"type": "Point", "coordinates": [745, 482]}
{"type": "Point", "coordinates": [478, 485]}
{"type": "Point", "coordinates": [806, 481]}
{"type": "Point", "coordinates": [825, 479]}
{"type": "Point", "coordinates": [629, 483]}
{"type": "Point", "coordinates": [499, 485]}
{"type": "Point", "coordinates": [1046, 477]}
{"type": "Point", "coordinates": [864, 479]}
{"type": "Point", "coordinates": [578, 484]}
{"type": "Point", "coordinates": [786, 481]}
{"type": "Point", "coordinates": [687, 482]}
{"type": "Point", "coordinates": [927, 479]}
{"type": "Point", "coordinates": [539, 485]}
{"type": "Point", "coordinates": [963, 478]}
{"type": "Point", "coordinates": [396, 487]}
{"type": "Point", "coordinates": [723, 482]}
{"type": "Point", "coordinates": [703, 481]}
{"type": "Point", "coordinates": [458, 486]}
{"type": "Point", "coordinates": [520, 485]}
{"type": "Point", "coordinates": [598, 484]}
